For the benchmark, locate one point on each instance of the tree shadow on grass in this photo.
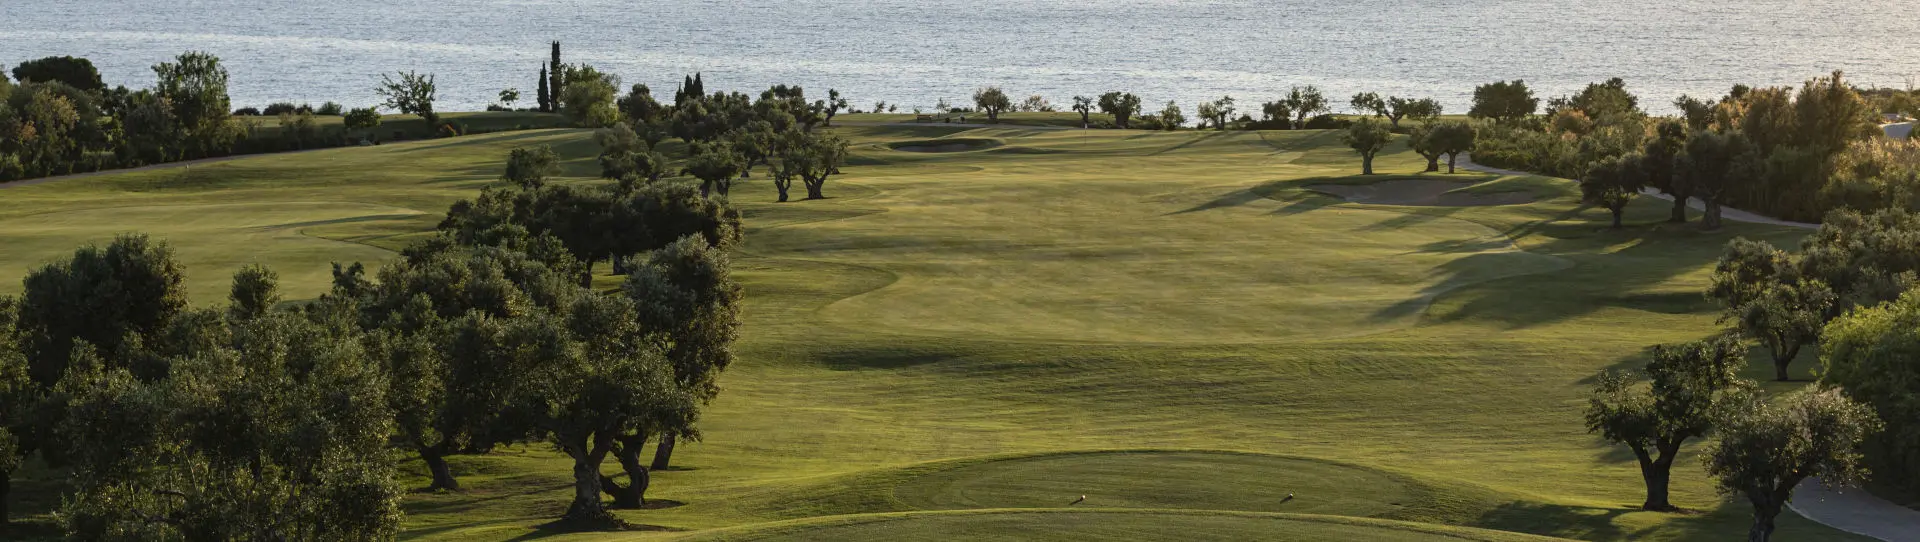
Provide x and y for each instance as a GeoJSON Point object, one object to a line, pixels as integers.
{"type": "Point", "coordinates": [883, 357]}
{"type": "Point", "coordinates": [502, 137]}
{"type": "Point", "coordinates": [1231, 199]}
{"type": "Point", "coordinates": [1585, 522]}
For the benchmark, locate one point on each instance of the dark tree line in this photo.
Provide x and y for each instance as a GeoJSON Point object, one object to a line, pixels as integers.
{"type": "Point", "coordinates": [1785, 152]}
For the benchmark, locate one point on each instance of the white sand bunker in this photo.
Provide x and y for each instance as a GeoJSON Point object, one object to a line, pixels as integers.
{"type": "Point", "coordinates": [946, 145]}
{"type": "Point", "coordinates": [1419, 192]}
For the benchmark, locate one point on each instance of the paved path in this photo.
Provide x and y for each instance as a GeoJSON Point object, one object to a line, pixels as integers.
{"type": "Point", "coordinates": [1729, 213]}
{"type": "Point", "coordinates": [1855, 511]}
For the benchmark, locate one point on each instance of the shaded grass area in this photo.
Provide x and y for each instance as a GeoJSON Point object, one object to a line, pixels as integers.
{"type": "Point", "coordinates": [1109, 525]}
{"type": "Point", "coordinates": [927, 336]}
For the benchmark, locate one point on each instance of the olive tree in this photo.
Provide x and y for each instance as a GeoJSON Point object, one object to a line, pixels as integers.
{"type": "Point", "coordinates": [1712, 166]}
{"type": "Point", "coordinates": [716, 165]}
{"type": "Point", "coordinates": [277, 433]}
{"type": "Point", "coordinates": [1367, 136]}
{"type": "Point", "coordinates": [1686, 386]}
{"type": "Point", "coordinates": [992, 101]}
{"type": "Point", "coordinates": [1217, 112]}
{"type": "Point", "coordinates": [1084, 106]}
{"type": "Point", "coordinates": [1613, 182]}
{"type": "Point", "coordinates": [690, 304]}
{"type": "Point", "coordinates": [1503, 101]}
{"type": "Point", "coordinates": [1453, 138]}
{"type": "Point", "coordinates": [1785, 317]}
{"type": "Point", "coordinates": [1122, 105]}
{"type": "Point", "coordinates": [1421, 140]}
{"type": "Point", "coordinates": [1766, 450]}
{"type": "Point", "coordinates": [1304, 102]}
{"type": "Point", "coordinates": [1424, 109]}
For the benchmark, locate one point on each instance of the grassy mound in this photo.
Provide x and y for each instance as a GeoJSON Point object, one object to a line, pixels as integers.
{"type": "Point", "coordinates": [953, 144]}
{"type": "Point", "coordinates": [1152, 479]}
{"type": "Point", "coordinates": [1074, 525]}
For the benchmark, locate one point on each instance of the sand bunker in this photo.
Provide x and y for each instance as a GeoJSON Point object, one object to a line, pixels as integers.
{"type": "Point", "coordinates": [1419, 192]}
{"type": "Point", "coordinates": [945, 145]}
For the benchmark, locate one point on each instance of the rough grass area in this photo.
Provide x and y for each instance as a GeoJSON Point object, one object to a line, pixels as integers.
{"type": "Point", "coordinates": [927, 336]}
{"type": "Point", "coordinates": [1111, 525]}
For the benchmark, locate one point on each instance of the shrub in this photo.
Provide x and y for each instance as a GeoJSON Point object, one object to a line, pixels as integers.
{"type": "Point", "coordinates": [279, 108]}
{"type": "Point", "coordinates": [1328, 122]}
{"type": "Point", "coordinates": [329, 109]}
{"type": "Point", "coordinates": [247, 112]}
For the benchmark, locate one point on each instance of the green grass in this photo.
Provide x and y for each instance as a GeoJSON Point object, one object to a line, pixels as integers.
{"type": "Point", "coordinates": [1109, 525]}
{"type": "Point", "coordinates": [941, 326]}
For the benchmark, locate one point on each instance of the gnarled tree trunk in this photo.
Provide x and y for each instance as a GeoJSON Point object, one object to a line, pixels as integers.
{"type": "Point", "coordinates": [1451, 159]}
{"type": "Point", "coordinates": [436, 459]}
{"type": "Point", "coordinates": [586, 506]}
{"type": "Point", "coordinates": [1433, 163]}
{"type": "Point", "coordinates": [1679, 215]}
{"type": "Point", "coordinates": [1765, 508]}
{"type": "Point", "coordinates": [1366, 164]}
{"type": "Point", "coordinates": [634, 494]}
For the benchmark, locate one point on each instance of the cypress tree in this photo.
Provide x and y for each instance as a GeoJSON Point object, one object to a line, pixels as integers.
{"type": "Point", "coordinates": [546, 99]}
{"type": "Point", "coordinates": [557, 82]}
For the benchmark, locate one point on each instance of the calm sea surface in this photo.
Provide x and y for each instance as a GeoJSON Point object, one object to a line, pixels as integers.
{"type": "Point", "coordinates": [916, 52]}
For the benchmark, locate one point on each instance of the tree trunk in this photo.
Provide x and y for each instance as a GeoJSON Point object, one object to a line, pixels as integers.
{"type": "Point", "coordinates": [1451, 158]}
{"type": "Point", "coordinates": [706, 187]}
{"type": "Point", "coordinates": [586, 279]}
{"type": "Point", "coordinates": [814, 189]}
{"type": "Point", "coordinates": [1764, 510]}
{"type": "Point", "coordinates": [664, 453]}
{"type": "Point", "coordinates": [1679, 215]}
{"type": "Point", "coordinates": [634, 494]}
{"type": "Point", "coordinates": [1711, 220]}
{"type": "Point", "coordinates": [437, 464]}
{"type": "Point", "coordinates": [638, 477]}
{"type": "Point", "coordinates": [1366, 164]}
{"type": "Point", "coordinates": [1433, 163]}
{"type": "Point", "coordinates": [1782, 356]}
{"type": "Point", "coordinates": [1617, 211]}
{"type": "Point", "coordinates": [586, 505]}
{"type": "Point", "coordinates": [1656, 473]}
{"type": "Point", "coordinates": [782, 187]}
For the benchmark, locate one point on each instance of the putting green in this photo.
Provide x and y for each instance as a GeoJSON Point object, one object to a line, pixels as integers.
{"type": "Point", "coordinates": [211, 241]}
{"type": "Point", "coordinates": [1129, 525]}
{"type": "Point", "coordinates": [1189, 480]}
